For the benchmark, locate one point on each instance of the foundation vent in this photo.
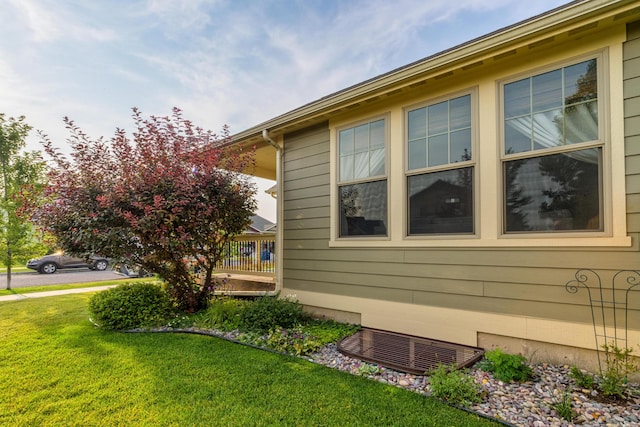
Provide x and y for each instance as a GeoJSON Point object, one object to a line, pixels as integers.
{"type": "Point", "coordinates": [407, 353]}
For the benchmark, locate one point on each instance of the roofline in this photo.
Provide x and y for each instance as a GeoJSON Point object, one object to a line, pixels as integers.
{"type": "Point", "coordinates": [562, 15]}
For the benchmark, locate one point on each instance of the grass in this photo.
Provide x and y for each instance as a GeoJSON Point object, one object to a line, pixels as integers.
{"type": "Point", "coordinates": [15, 269]}
{"type": "Point", "coordinates": [57, 369]}
{"type": "Point", "coordinates": [47, 288]}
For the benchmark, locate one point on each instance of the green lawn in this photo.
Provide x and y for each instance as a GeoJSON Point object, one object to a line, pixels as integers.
{"type": "Point", "coordinates": [14, 269]}
{"type": "Point", "coordinates": [57, 369]}
{"type": "Point", "coordinates": [47, 288]}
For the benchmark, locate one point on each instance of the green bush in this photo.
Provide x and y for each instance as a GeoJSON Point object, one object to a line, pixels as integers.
{"type": "Point", "coordinates": [582, 379]}
{"type": "Point", "coordinates": [563, 407]}
{"type": "Point", "coordinates": [292, 341]}
{"type": "Point", "coordinates": [270, 311]}
{"type": "Point", "coordinates": [129, 306]}
{"type": "Point", "coordinates": [223, 313]}
{"type": "Point", "coordinates": [619, 365]}
{"type": "Point", "coordinates": [506, 367]}
{"type": "Point", "coordinates": [613, 380]}
{"type": "Point", "coordinates": [368, 370]}
{"type": "Point", "coordinates": [329, 331]}
{"type": "Point", "coordinates": [454, 386]}
{"type": "Point", "coordinates": [306, 337]}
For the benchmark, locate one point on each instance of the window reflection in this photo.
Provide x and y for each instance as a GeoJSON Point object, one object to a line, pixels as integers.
{"type": "Point", "coordinates": [557, 192]}
{"type": "Point", "coordinates": [441, 202]}
{"type": "Point", "coordinates": [440, 133]}
{"type": "Point", "coordinates": [363, 209]}
{"type": "Point", "coordinates": [362, 151]}
{"type": "Point", "coordinates": [552, 109]}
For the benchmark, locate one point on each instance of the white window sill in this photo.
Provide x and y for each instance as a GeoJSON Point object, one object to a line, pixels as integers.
{"type": "Point", "coordinates": [475, 242]}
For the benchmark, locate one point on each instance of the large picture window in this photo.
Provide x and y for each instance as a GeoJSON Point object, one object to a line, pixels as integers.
{"type": "Point", "coordinates": [440, 168]}
{"type": "Point", "coordinates": [362, 188]}
{"type": "Point", "coordinates": [553, 156]}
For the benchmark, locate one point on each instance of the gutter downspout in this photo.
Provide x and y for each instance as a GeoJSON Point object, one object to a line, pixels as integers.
{"type": "Point", "coordinates": [279, 209]}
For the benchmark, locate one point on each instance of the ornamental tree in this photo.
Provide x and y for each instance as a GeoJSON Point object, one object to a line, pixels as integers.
{"type": "Point", "coordinates": [168, 198]}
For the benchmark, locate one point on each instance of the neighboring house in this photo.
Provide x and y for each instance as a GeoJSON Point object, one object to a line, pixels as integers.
{"type": "Point", "coordinates": [260, 225]}
{"type": "Point", "coordinates": [454, 197]}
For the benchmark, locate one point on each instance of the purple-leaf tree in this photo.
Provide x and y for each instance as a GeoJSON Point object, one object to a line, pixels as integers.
{"type": "Point", "coordinates": [168, 198]}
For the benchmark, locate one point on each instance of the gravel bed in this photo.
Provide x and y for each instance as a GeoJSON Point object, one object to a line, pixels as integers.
{"type": "Point", "coordinates": [526, 404]}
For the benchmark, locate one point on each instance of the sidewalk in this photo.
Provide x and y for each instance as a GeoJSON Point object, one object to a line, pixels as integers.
{"type": "Point", "coordinates": [53, 293]}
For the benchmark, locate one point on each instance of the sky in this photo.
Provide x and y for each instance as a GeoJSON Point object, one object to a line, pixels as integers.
{"type": "Point", "coordinates": [223, 62]}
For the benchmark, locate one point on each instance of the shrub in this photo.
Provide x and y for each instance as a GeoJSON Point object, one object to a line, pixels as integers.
{"type": "Point", "coordinates": [454, 386]}
{"type": "Point", "coordinates": [506, 367]}
{"type": "Point", "coordinates": [582, 379]}
{"type": "Point", "coordinates": [309, 337]}
{"type": "Point", "coordinates": [329, 331]}
{"type": "Point", "coordinates": [129, 306]}
{"type": "Point", "coordinates": [613, 379]}
{"type": "Point", "coordinates": [619, 366]}
{"type": "Point", "coordinates": [267, 312]}
{"type": "Point", "coordinates": [223, 313]}
{"type": "Point", "coordinates": [563, 407]}
{"type": "Point", "coordinates": [368, 370]}
{"type": "Point", "coordinates": [292, 341]}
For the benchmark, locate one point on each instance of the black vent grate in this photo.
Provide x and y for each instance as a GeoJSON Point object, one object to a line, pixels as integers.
{"type": "Point", "coordinates": [407, 353]}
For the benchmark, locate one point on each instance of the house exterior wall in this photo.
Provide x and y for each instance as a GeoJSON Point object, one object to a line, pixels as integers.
{"type": "Point", "coordinates": [478, 291]}
{"type": "Point", "coordinates": [632, 125]}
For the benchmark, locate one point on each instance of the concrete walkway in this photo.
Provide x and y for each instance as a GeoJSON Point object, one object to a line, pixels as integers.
{"type": "Point", "coordinates": [53, 293]}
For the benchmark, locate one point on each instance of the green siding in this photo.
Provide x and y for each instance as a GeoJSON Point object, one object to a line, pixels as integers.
{"type": "Point", "coordinates": [633, 223]}
{"type": "Point", "coordinates": [307, 193]}
{"type": "Point", "coordinates": [631, 59]}
{"type": "Point", "coordinates": [632, 143]}
{"type": "Point", "coordinates": [633, 203]}
{"type": "Point", "coordinates": [633, 30]}
{"type": "Point", "coordinates": [306, 187]}
{"type": "Point", "coordinates": [632, 86]}
{"type": "Point", "coordinates": [311, 171]}
{"type": "Point", "coordinates": [312, 212]}
{"type": "Point", "coordinates": [313, 181]}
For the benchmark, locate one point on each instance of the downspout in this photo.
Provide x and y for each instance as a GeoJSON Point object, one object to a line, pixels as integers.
{"type": "Point", "coordinates": [279, 209]}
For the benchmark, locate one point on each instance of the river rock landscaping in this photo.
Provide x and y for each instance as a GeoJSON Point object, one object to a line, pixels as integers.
{"type": "Point", "coordinates": [521, 404]}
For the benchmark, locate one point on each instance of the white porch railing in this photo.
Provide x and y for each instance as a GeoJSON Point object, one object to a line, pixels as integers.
{"type": "Point", "coordinates": [252, 254]}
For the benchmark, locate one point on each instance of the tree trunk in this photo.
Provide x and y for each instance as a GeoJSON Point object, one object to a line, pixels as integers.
{"type": "Point", "coordinates": [5, 181]}
{"type": "Point", "coordinates": [10, 261]}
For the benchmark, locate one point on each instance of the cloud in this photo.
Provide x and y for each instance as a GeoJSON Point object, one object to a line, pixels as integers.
{"type": "Point", "coordinates": [179, 15]}
{"type": "Point", "coordinates": [50, 21]}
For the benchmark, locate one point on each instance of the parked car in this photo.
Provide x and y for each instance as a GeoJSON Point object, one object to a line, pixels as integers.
{"type": "Point", "coordinates": [49, 264]}
{"type": "Point", "coordinates": [130, 270]}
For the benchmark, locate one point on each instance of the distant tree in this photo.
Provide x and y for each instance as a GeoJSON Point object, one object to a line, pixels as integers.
{"type": "Point", "coordinates": [172, 196]}
{"type": "Point", "coordinates": [516, 218]}
{"type": "Point", "coordinates": [575, 190]}
{"type": "Point", "coordinates": [574, 181]}
{"type": "Point", "coordinates": [22, 175]}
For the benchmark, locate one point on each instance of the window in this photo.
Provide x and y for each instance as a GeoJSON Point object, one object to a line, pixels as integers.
{"type": "Point", "coordinates": [440, 168]}
{"type": "Point", "coordinates": [553, 155]}
{"type": "Point", "coordinates": [362, 180]}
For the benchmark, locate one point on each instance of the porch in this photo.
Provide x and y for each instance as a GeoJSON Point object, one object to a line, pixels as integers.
{"type": "Point", "coordinates": [249, 266]}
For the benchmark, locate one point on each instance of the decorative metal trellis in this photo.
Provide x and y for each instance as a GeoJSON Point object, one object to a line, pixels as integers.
{"type": "Point", "coordinates": [609, 307]}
